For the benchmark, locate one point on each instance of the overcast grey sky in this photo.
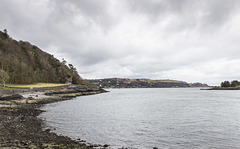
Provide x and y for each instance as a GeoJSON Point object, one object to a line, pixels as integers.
{"type": "Point", "coordinates": [189, 40]}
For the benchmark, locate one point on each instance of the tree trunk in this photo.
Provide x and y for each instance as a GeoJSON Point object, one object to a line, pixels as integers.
{"type": "Point", "coordinates": [3, 83]}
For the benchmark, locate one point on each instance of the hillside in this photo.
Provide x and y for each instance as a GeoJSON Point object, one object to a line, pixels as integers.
{"type": "Point", "coordinates": [23, 63]}
{"type": "Point", "coordinates": [142, 83]}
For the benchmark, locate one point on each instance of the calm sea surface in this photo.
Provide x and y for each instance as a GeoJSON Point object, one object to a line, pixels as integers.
{"type": "Point", "coordinates": [147, 118]}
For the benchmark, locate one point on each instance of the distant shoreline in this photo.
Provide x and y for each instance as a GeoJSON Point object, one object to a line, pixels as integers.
{"type": "Point", "coordinates": [142, 83]}
{"type": "Point", "coordinates": [224, 88]}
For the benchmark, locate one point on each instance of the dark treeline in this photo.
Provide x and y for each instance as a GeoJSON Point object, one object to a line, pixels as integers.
{"type": "Point", "coordinates": [25, 63]}
{"type": "Point", "coordinates": [234, 83]}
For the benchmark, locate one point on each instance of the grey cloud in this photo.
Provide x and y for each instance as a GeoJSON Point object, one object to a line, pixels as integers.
{"type": "Point", "coordinates": [175, 39]}
{"type": "Point", "coordinates": [218, 12]}
{"type": "Point", "coordinates": [25, 21]}
{"type": "Point", "coordinates": [202, 14]}
{"type": "Point", "coordinates": [90, 57]}
{"type": "Point", "coordinates": [157, 8]}
{"type": "Point", "coordinates": [93, 10]}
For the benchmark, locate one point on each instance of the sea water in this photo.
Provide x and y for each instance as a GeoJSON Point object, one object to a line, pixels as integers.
{"type": "Point", "coordinates": [150, 117]}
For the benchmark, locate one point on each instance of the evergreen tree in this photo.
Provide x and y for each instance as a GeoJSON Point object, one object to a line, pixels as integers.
{"type": "Point", "coordinates": [6, 33]}
{"type": "Point", "coordinates": [235, 83]}
{"type": "Point", "coordinates": [225, 84]}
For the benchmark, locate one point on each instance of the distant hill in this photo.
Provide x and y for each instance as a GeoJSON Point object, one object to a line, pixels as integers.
{"type": "Point", "coordinates": [198, 84]}
{"type": "Point", "coordinates": [25, 63]}
{"type": "Point", "coordinates": [142, 83]}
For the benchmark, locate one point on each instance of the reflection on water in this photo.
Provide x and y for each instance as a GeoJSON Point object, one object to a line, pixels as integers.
{"type": "Point", "coordinates": [147, 118]}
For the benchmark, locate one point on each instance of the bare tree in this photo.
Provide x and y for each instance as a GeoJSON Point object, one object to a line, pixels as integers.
{"type": "Point", "coordinates": [4, 76]}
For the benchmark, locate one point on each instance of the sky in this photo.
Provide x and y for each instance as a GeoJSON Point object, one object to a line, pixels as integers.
{"type": "Point", "coordinates": [188, 40]}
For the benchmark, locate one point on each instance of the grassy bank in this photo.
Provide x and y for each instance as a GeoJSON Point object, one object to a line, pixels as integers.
{"type": "Point", "coordinates": [36, 85]}
{"type": "Point", "coordinates": [226, 88]}
{"type": "Point", "coordinates": [5, 88]}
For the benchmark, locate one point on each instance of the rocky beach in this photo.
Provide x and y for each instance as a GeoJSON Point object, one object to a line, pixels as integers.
{"type": "Point", "coordinates": [21, 128]}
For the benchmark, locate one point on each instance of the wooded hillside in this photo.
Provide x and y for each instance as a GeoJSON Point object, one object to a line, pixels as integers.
{"type": "Point", "coordinates": [25, 63]}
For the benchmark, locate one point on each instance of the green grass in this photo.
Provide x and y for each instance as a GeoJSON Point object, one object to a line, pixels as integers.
{"type": "Point", "coordinates": [36, 85]}
{"type": "Point", "coordinates": [5, 88]}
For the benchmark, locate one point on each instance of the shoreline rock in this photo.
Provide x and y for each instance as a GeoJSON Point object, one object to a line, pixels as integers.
{"type": "Point", "coordinates": [11, 97]}
{"type": "Point", "coordinates": [20, 128]}
{"type": "Point", "coordinates": [46, 95]}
